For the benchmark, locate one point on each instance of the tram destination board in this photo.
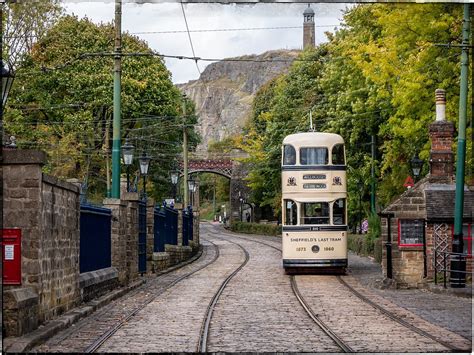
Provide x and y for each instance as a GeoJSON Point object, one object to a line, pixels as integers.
{"type": "Point", "coordinates": [411, 232]}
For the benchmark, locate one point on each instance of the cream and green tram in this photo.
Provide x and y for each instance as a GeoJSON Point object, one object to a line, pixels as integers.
{"type": "Point", "coordinates": [314, 203]}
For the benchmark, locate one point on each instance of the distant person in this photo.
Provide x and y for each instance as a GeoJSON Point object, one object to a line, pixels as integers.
{"type": "Point", "coordinates": [247, 217]}
{"type": "Point", "coordinates": [365, 226]}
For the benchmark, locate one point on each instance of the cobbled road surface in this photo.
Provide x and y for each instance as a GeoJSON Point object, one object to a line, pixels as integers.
{"type": "Point", "coordinates": [258, 312]}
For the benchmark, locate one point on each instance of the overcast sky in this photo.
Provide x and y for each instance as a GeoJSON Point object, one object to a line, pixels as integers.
{"type": "Point", "coordinates": [158, 17]}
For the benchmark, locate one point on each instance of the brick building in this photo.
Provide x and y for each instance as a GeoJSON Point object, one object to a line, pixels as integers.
{"type": "Point", "coordinates": [422, 218]}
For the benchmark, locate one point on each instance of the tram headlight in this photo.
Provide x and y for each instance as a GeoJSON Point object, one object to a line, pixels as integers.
{"type": "Point", "coordinates": [315, 248]}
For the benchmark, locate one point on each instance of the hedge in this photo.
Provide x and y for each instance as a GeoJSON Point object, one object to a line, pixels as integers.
{"type": "Point", "coordinates": [255, 228]}
{"type": "Point", "coordinates": [363, 244]}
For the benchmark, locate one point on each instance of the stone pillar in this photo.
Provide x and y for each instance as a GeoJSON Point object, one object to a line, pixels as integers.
{"type": "Point", "coordinates": [132, 200]}
{"type": "Point", "coordinates": [119, 237]}
{"type": "Point", "coordinates": [442, 136]}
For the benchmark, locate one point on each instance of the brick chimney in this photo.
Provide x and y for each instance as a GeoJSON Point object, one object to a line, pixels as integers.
{"type": "Point", "coordinates": [442, 135]}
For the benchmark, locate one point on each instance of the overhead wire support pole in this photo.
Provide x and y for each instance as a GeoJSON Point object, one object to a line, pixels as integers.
{"type": "Point", "coordinates": [117, 101]}
{"type": "Point", "coordinates": [458, 262]}
{"type": "Point", "coordinates": [372, 171]}
{"type": "Point", "coordinates": [185, 156]}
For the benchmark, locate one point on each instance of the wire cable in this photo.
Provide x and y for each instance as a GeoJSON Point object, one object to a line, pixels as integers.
{"type": "Point", "coordinates": [189, 36]}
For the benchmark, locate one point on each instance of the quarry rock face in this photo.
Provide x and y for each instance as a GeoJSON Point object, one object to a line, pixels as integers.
{"type": "Point", "coordinates": [225, 90]}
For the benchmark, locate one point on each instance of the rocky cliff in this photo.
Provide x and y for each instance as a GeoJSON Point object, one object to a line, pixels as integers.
{"type": "Point", "coordinates": [225, 90]}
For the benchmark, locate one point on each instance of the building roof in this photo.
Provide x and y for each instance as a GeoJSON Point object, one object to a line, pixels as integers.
{"type": "Point", "coordinates": [439, 199]}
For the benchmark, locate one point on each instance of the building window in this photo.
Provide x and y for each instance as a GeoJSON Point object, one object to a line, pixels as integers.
{"type": "Point", "coordinates": [315, 213]}
{"type": "Point", "coordinates": [289, 155]}
{"type": "Point", "coordinates": [313, 156]}
{"type": "Point", "coordinates": [291, 213]}
{"type": "Point", "coordinates": [411, 232]}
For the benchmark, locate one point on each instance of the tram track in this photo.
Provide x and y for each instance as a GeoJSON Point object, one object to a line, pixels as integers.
{"type": "Point", "coordinates": [98, 342]}
{"type": "Point", "coordinates": [324, 327]}
{"type": "Point", "coordinates": [204, 333]}
{"type": "Point", "coordinates": [344, 347]}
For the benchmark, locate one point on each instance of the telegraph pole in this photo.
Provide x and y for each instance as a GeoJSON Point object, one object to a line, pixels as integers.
{"type": "Point", "coordinates": [372, 170]}
{"type": "Point", "coordinates": [117, 101]}
{"type": "Point", "coordinates": [458, 263]}
{"type": "Point", "coordinates": [185, 155]}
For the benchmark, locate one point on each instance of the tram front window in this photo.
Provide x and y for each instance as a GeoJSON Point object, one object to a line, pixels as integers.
{"type": "Point", "coordinates": [339, 212]}
{"type": "Point", "coordinates": [313, 156]}
{"type": "Point", "coordinates": [338, 154]}
{"type": "Point", "coordinates": [291, 213]}
{"type": "Point", "coordinates": [315, 213]}
{"type": "Point", "coordinates": [289, 155]}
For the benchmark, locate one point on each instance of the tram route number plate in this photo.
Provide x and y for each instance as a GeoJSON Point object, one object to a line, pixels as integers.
{"type": "Point", "coordinates": [314, 177]}
{"type": "Point", "coordinates": [314, 186]}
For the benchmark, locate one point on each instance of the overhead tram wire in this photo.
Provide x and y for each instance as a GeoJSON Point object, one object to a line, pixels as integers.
{"type": "Point", "coordinates": [189, 36]}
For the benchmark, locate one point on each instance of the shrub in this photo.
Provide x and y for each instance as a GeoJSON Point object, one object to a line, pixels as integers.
{"type": "Point", "coordinates": [255, 228]}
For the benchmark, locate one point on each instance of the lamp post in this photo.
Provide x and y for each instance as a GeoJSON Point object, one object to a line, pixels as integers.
{"type": "Point", "coordinates": [191, 185]}
{"type": "Point", "coordinates": [174, 180]}
{"type": "Point", "coordinates": [127, 151]}
{"type": "Point", "coordinates": [144, 161]}
{"type": "Point", "coordinates": [416, 165]}
{"type": "Point", "coordinates": [7, 82]}
{"type": "Point", "coordinates": [241, 199]}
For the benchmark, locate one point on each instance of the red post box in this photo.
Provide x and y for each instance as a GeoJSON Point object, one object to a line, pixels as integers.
{"type": "Point", "coordinates": [11, 256]}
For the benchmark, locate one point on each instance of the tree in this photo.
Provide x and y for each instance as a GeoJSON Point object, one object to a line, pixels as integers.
{"type": "Point", "coordinates": [62, 102]}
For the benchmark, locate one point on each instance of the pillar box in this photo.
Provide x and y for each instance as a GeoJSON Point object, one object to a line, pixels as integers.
{"type": "Point", "coordinates": [11, 250]}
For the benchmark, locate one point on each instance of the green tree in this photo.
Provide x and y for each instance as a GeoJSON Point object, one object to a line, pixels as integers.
{"type": "Point", "coordinates": [62, 102]}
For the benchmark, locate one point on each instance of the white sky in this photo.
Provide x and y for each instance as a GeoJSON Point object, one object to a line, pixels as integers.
{"type": "Point", "coordinates": [169, 17]}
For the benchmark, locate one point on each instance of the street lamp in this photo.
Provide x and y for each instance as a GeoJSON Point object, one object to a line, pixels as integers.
{"type": "Point", "coordinates": [127, 151]}
{"type": "Point", "coordinates": [174, 180]}
{"type": "Point", "coordinates": [191, 185]}
{"type": "Point", "coordinates": [241, 199]}
{"type": "Point", "coordinates": [416, 165]}
{"type": "Point", "coordinates": [7, 81]}
{"type": "Point", "coordinates": [144, 161]}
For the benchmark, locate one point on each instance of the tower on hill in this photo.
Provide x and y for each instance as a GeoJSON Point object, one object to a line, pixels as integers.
{"type": "Point", "coordinates": [308, 28]}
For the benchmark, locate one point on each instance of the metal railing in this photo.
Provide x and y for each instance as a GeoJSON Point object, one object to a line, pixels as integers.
{"type": "Point", "coordinates": [95, 238]}
{"type": "Point", "coordinates": [445, 262]}
{"type": "Point", "coordinates": [165, 227]}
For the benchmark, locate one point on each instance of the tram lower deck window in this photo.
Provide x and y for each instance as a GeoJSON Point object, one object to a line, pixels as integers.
{"type": "Point", "coordinates": [315, 213]}
{"type": "Point", "coordinates": [291, 213]}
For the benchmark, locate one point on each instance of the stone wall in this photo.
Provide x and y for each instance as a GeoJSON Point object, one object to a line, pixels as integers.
{"type": "Point", "coordinates": [47, 212]}
{"type": "Point", "coordinates": [407, 261]}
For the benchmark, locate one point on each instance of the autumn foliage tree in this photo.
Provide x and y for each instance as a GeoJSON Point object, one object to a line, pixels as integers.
{"type": "Point", "coordinates": [62, 102]}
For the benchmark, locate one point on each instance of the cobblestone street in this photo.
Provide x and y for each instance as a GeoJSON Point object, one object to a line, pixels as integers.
{"type": "Point", "coordinates": [258, 312]}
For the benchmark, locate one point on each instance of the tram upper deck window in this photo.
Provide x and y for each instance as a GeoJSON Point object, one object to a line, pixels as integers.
{"type": "Point", "coordinates": [339, 212]}
{"type": "Point", "coordinates": [315, 213]}
{"type": "Point", "coordinates": [289, 155]}
{"type": "Point", "coordinates": [291, 213]}
{"type": "Point", "coordinates": [338, 154]}
{"type": "Point", "coordinates": [314, 156]}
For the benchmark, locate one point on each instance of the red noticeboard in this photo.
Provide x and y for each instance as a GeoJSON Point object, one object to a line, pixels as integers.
{"type": "Point", "coordinates": [11, 256]}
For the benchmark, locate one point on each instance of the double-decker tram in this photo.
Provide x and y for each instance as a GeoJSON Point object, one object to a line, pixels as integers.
{"type": "Point", "coordinates": [314, 203]}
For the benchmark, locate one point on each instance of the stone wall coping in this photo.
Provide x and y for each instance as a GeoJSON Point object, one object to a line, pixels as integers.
{"type": "Point", "coordinates": [159, 256]}
{"type": "Point", "coordinates": [51, 180]}
{"type": "Point", "coordinates": [90, 278]}
{"type": "Point", "coordinates": [130, 196]}
{"type": "Point", "coordinates": [113, 201]}
{"type": "Point", "coordinates": [23, 156]}
{"type": "Point", "coordinates": [24, 296]}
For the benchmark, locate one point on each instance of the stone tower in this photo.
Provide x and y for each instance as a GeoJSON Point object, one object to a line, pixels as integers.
{"type": "Point", "coordinates": [308, 28]}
